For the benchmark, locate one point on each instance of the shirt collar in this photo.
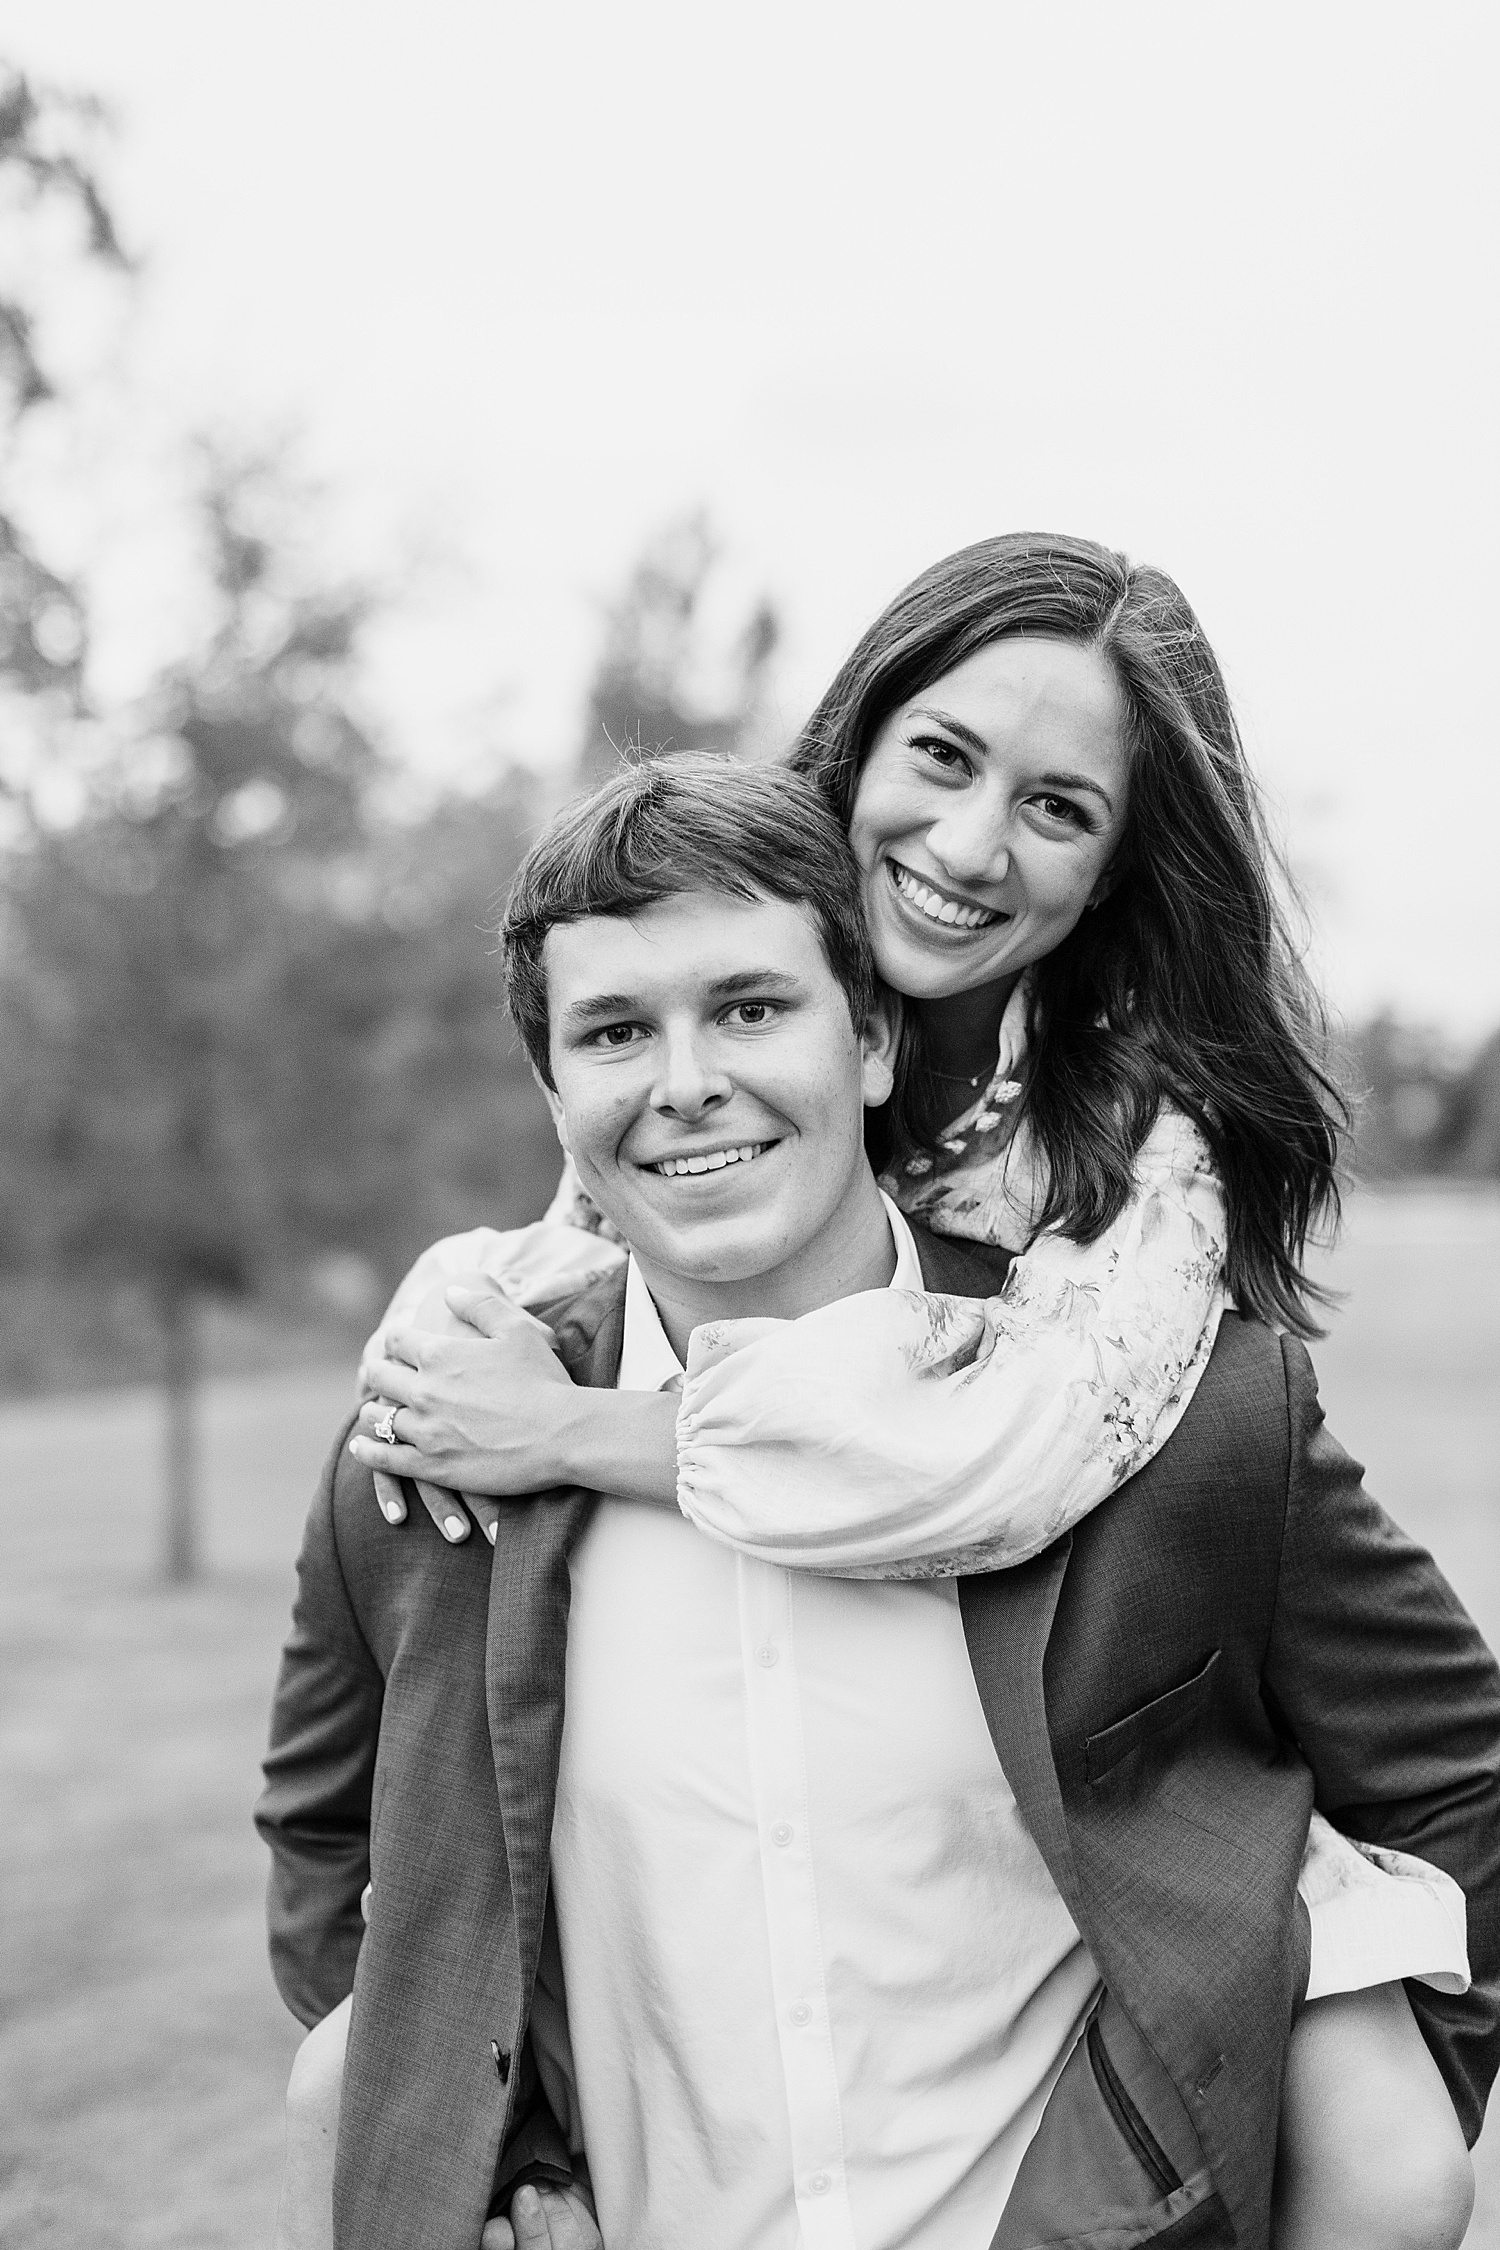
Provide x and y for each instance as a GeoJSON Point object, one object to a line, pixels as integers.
{"type": "Point", "coordinates": [647, 1360]}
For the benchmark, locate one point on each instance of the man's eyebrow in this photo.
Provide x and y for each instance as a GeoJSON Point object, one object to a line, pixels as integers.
{"type": "Point", "coordinates": [753, 980]}
{"type": "Point", "coordinates": [599, 1007]}
{"type": "Point", "coordinates": [976, 742]}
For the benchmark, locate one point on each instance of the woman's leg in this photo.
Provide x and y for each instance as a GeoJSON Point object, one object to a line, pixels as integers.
{"type": "Point", "coordinates": [1370, 2156]}
{"type": "Point", "coordinates": [304, 2220]}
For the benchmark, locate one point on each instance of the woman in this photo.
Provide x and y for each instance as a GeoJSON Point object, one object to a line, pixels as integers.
{"type": "Point", "coordinates": [1111, 1065]}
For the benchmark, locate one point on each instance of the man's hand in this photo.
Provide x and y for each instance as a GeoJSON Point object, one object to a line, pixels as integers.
{"type": "Point", "coordinates": [545, 2218]}
{"type": "Point", "coordinates": [478, 1407]}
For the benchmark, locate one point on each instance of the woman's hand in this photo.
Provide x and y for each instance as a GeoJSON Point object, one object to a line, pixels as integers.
{"type": "Point", "coordinates": [474, 1406]}
{"type": "Point", "coordinates": [486, 1409]}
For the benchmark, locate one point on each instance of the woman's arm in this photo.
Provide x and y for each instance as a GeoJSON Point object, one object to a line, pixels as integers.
{"type": "Point", "coordinates": [895, 1435]}
{"type": "Point", "coordinates": [879, 1437]}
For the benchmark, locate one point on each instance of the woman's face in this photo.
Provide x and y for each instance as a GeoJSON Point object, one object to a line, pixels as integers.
{"type": "Point", "coordinates": [987, 814]}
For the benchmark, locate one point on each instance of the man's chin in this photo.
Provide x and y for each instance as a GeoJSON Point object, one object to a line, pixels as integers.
{"type": "Point", "coordinates": [716, 1251]}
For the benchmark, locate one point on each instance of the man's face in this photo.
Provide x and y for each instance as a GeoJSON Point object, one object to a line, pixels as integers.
{"type": "Point", "coordinates": [710, 1084]}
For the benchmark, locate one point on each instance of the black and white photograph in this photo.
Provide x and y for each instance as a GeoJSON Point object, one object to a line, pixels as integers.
{"type": "Point", "coordinates": [749, 1126]}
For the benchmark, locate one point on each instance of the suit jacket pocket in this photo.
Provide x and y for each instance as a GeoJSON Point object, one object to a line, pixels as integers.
{"type": "Point", "coordinates": [1164, 1716]}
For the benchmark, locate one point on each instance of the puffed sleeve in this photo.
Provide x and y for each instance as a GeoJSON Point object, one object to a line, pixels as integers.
{"type": "Point", "coordinates": [540, 1266]}
{"type": "Point", "coordinates": [900, 1435]}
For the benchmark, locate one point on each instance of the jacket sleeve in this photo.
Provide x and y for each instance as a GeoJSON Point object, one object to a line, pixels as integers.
{"type": "Point", "coordinates": [314, 1812]}
{"type": "Point", "coordinates": [1394, 1699]}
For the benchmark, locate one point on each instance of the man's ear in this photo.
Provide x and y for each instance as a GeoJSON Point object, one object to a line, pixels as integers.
{"type": "Point", "coordinates": [879, 1037]}
{"type": "Point", "coordinates": [559, 1121]}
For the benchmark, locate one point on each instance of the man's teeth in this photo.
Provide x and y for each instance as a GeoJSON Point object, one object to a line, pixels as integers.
{"type": "Point", "coordinates": [673, 1167]}
{"type": "Point", "coordinates": [936, 907]}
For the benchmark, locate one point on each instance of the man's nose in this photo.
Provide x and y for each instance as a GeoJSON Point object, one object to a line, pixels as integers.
{"type": "Point", "coordinates": [972, 842]}
{"type": "Point", "coordinates": [689, 1080]}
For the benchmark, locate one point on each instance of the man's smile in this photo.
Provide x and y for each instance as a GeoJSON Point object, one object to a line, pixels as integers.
{"type": "Point", "coordinates": [696, 1161]}
{"type": "Point", "coordinates": [943, 907]}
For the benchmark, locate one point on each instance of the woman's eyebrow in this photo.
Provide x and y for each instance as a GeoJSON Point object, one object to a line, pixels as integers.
{"type": "Point", "coordinates": [966, 735]}
{"type": "Point", "coordinates": [1077, 781]}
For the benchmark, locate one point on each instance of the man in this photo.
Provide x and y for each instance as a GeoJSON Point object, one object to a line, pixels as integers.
{"type": "Point", "coordinates": [825, 1956]}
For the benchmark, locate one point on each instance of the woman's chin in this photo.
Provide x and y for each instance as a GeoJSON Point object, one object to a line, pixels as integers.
{"type": "Point", "coordinates": [928, 972]}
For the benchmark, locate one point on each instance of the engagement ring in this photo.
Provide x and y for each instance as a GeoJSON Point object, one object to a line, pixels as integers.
{"type": "Point", "coordinates": [386, 1430]}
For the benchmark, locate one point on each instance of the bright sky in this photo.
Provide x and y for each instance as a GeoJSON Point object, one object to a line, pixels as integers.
{"type": "Point", "coordinates": [1216, 285]}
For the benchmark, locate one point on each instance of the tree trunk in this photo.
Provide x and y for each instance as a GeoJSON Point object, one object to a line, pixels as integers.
{"type": "Point", "coordinates": [180, 1379]}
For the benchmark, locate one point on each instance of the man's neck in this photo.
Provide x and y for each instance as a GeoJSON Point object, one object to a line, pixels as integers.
{"type": "Point", "coordinates": [852, 1253]}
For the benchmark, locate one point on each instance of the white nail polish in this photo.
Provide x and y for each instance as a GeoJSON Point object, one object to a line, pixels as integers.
{"type": "Point", "coordinates": [454, 1526]}
{"type": "Point", "coordinates": [490, 1533]}
{"type": "Point", "coordinates": [392, 1512]}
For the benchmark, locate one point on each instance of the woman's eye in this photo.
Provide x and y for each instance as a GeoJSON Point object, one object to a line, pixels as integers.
{"type": "Point", "coordinates": [945, 755]}
{"type": "Point", "coordinates": [1063, 809]}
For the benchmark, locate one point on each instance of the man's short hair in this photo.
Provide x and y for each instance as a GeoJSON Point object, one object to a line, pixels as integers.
{"type": "Point", "coordinates": [688, 822]}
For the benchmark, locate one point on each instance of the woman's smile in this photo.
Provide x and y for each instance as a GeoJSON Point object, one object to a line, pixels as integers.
{"type": "Point", "coordinates": [937, 906]}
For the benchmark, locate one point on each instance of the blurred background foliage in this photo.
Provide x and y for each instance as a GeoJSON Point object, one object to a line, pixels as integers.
{"type": "Point", "coordinates": [252, 1052]}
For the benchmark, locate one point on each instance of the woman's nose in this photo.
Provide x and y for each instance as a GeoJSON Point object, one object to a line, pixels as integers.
{"type": "Point", "coordinates": [972, 844]}
{"type": "Point", "coordinates": [689, 1080]}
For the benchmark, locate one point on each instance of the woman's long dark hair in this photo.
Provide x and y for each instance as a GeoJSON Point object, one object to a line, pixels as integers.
{"type": "Point", "coordinates": [1184, 984]}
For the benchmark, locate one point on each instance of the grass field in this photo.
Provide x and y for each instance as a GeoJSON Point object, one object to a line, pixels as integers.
{"type": "Point", "coordinates": [143, 2048]}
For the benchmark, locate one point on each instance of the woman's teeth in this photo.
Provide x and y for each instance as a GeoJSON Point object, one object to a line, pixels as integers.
{"type": "Point", "coordinates": [673, 1167]}
{"type": "Point", "coordinates": [935, 906]}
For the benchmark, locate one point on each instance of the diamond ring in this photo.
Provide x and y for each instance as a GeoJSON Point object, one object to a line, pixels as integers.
{"type": "Point", "coordinates": [386, 1430]}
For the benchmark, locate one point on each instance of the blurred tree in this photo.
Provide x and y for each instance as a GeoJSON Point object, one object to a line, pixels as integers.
{"type": "Point", "coordinates": [667, 677]}
{"type": "Point", "coordinates": [151, 938]}
{"type": "Point", "coordinates": [244, 1018]}
{"type": "Point", "coordinates": [1476, 1114]}
{"type": "Point", "coordinates": [46, 174]}
{"type": "Point", "coordinates": [1407, 1083]}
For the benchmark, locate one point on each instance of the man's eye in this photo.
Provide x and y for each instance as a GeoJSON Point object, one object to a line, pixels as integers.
{"type": "Point", "coordinates": [616, 1035]}
{"type": "Point", "coordinates": [751, 1013]}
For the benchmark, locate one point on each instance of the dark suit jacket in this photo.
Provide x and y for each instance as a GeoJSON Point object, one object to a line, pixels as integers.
{"type": "Point", "coordinates": [1238, 1632]}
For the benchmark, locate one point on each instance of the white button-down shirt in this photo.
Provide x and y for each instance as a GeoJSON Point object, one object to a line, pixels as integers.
{"type": "Point", "coordinates": [819, 1982]}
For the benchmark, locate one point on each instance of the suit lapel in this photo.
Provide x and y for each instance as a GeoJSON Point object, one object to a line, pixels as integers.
{"type": "Point", "coordinates": [527, 1642]}
{"type": "Point", "coordinates": [1007, 1616]}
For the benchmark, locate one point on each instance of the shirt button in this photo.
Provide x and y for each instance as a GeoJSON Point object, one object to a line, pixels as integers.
{"type": "Point", "coordinates": [767, 1656]}
{"type": "Point", "coordinates": [781, 1833]}
{"type": "Point", "coordinates": [802, 2013]}
{"type": "Point", "coordinates": [820, 2183]}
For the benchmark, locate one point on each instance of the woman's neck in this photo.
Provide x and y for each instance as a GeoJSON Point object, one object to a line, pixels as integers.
{"type": "Point", "coordinates": [962, 1031]}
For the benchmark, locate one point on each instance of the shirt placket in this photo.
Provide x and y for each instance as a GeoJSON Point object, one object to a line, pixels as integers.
{"type": "Point", "coordinates": [778, 1768]}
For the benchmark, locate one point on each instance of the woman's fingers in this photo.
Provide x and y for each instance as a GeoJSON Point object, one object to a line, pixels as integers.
{"type": "Point", "coordinates": [489, 1312]}
{"type": "Point", "coordinates": [445, 1509]}
{"type": "Point", "coordinates": [391, 1380]}
{"type": "Point", "coordinates": [498, 2235]}
{"type": "Point", "coordinates": [442, 1505]}
{"type": "Point", "coordinates": [486, 1514]}
{"type": "Point", "coordinates": [391, 1497]}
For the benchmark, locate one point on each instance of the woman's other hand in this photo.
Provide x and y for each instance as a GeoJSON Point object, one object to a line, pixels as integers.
{"type": "Point", "coordinates": [546, 2218]}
